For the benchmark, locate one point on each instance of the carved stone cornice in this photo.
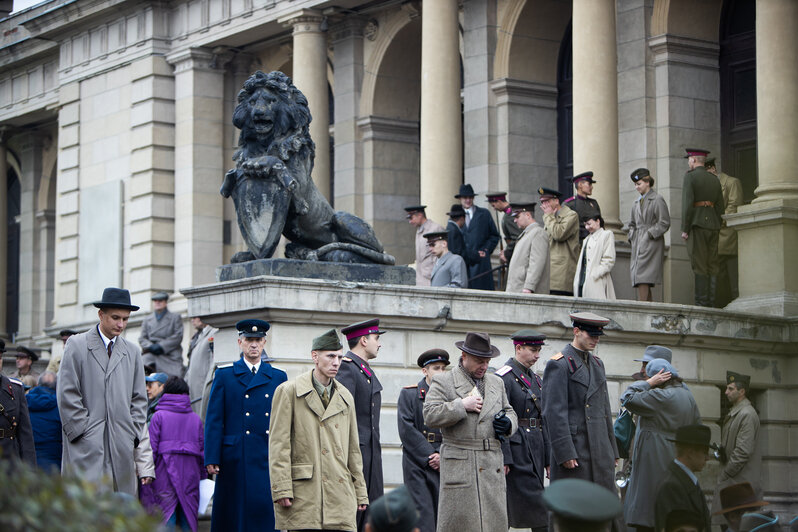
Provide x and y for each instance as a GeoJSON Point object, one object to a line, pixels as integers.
{"type": "Point", "coordinates": [389, 129]}
{"type": "Point", "coordinates": [303, 21]}
{"type": "Point", "coordinates": [684, 50]}
{"type": "Point", "coordinates": [346, 28]}
{"type": "Point", "coordinates": [199, 59]}
{"type": "Point", "coordinates": [516, 91]}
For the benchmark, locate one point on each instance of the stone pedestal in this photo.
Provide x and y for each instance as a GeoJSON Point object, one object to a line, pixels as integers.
{"type": "Point", "coordinates": [333, 271]}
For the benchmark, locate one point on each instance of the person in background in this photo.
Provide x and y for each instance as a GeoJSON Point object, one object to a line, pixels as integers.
{"type": "Point", "coordinates": [593, 269]}
{"type": "Point", "coordinates": [46, 422]}
{"type": "Point", "coordinates": [650, 221]}
{"type": "Point", "coordinates": [529, 268]}
{"type": "Point", "coordinates": [25, 359]}
{"type": "Point", "coordinates": [155, 383]}
{"type": "Point", "coordinates": [481, 237]}
{"type": "Point", "coordinates": [562, 225]}
{"type": "Point", "coordinates": [161, 338]}
{"type": "Point", "coordinates": [55, 360]}
{"type": "Point", "coordinates": [727, 238]}
{"type": "Point", "coordinates": [455, 226]}
{"type": "Point", "coordinates": [393, 512]}
{"type": "Point", "coordinates": [736, 500]}
{"type": "Point", "coordinates": [510, 230]}
{"type": "Point", "coordinates": [450, 269]}
{"type": "Point", "coordinates": [17, 441]}
{"type": "Point", "coordinates": [580, 506]}
{"type": "Point", "coordinates": [200, 365]}
{"type": "Point", "coordinates": [425, 259]}
{"type": "Point", "coordinates": [581, 202]}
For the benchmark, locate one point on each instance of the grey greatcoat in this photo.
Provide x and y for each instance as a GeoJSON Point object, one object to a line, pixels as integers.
{"type": "Point", "coordinates": [103, 407]}
{"type": "Point", "coordinates": [167, 333]}
{"type": "Point", "coordinates": [473, 491]}
{"type": "Point", "coordinates": [577, 414]}
{"type": "Point", "coordinates": [660, 412]}
{"type": "Point", "coordinates": [200, 366]}
{"type": "Point", "coordinates": [650, 221]}
{"type": "Point", "coordinates": [451, 271]}
{"type": "Point", "coordinates": [529, 265]}
{"type": "Point", "coordinates": [425, 258]}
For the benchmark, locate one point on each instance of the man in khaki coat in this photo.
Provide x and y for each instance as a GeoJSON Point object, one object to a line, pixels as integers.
{"type": "Point", "coordinates": [315, 465]}
{"type": "Point", "coordinates": [727, 239]}
{"type": "Point", "coordinates": [562, 225]}
{"type": "Point", "coordinates": [471, 408]}
{"type": "Point", "coordinates": [529, 264]}
{"type": "Point", "coordinates": [742, 456]}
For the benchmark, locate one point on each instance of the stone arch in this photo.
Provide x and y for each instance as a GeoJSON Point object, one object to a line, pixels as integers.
{"type": "Point", "coordinates": [687, 18]}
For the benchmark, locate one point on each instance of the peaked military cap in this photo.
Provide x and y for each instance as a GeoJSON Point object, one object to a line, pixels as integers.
{"type": "Point", "coordinates": [160, 296]}
{"type": "Point", "coordinates": [478, 344]}
{"type": "Point", "coordinates": [592, 324]}
{"type": "Point", "coordinates": [709, 163]}
{"type": "Point", "coordinates": [394, 512]}
{"type": "Point", "coordinates": [329, 341]}
{"type": "Point", "coordinates": [436, 235]}
{"type": "Point", "coordinates": [23, 351]}
{"type": "Point", "coordinates": [433, 355]}
{"type": "Point", "coordinates": [457, 211]}
{"type": "Point", "coordinates": [696, 152]}
{"type": "Point", "coordinates": [252, 328]}
{"type": "Point", "coordinates": [413, 209]}
{"type": "Point", "coordinates": [656, 351]}
{"type": "Point", "coordinates": [549, 193]}
{"type": "Point", "coordinates": [522, 207]}
{"type": "Point", "coordinates": [466, 191]}
{"type": "Point", "coordinates": [495, 196]}
{"type": "Point", "coordinates": [356, 330]}
{"type": "Point", "coordinates": [584, 176]}
{"type": "Point", "coordinates": [639, 174]}
{"type": "Point", "coordinates": [738, 378]}
{"type": "Point", "coordinates": [115, 298]}
{"type": "Point", "coordinates": [528, 337]}
{"type": "Point", "coordinates": [579, 500]}
{"type": "Point", "coordinates": [698, 435]}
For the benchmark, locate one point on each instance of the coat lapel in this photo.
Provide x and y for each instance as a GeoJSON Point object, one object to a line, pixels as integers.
{"type": "Point", "coordinates": [492, 395]}
{"type": "Point", "coordinates": [304, 387]}
{"type": "Point", "coordinates": [263, 376]}
{"type": "Point", "coordinates": [117, 355]}
{"type": "Point", "coordinates": [595, 381]}
{"type": "Point", "coordinates": [242, 372]}
{"type": "Point", "coordinates": [462, 386]}
{"type": "Point", "coordinates": [337, 404]}
{"type": "Point", "coordinates": [97, 348]}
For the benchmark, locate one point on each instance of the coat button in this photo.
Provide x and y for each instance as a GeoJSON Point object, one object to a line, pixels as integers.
{"type": "Point", "coordinates": [267, 396]}
{"type": "Point", "coordinates": [267, 414]}
{"type": "Point", "coordinates": [267, 432]}
{"type": "Point", "coordinates": [246, 396]}
{"type": "Point", "coordinates": [246, 414]}
{"type": "Point", "coordinates": [324, 451]}
{"type": "Point", "coordinates": [247, 432]}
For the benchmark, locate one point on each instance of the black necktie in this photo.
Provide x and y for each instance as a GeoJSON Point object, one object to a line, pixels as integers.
{"type": "Point", "coordinates": [253, 370]}
{"type": "Point", "coordinates": [110, 348]}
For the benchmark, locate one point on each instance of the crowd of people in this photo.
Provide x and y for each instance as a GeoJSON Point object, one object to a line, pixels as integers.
{"type": "Point", "coordinates": [305, 453]}
{"type": "Point", "coordinates": [572, 253]}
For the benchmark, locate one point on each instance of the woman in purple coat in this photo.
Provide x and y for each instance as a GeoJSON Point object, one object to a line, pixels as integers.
{"type": "Point", "coordinates": [176, 436]}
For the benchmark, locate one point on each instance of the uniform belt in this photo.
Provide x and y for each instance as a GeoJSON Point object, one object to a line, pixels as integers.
{"type": "Point", "coordinates": [703, 204]}
{"type": "Point", "coordinates": [433, 437]}
{"type": "Point", "coordinates": [7, 433]}
{"type": "Point", "coordinates": [531, 422]}
{"type": "Point", "coordinates": [488, 444]}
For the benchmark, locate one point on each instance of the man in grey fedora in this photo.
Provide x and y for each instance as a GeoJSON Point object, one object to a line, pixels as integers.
{"type": "Point", "coordinates": [102, 398]}
{"type": "Point", "coordinates": [470, 407]}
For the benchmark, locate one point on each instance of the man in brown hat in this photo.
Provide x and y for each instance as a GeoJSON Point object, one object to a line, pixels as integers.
{"type": "Point", "coordinates": [741, 455]}
{"type": "Point", "coordinates": [736, 500]}
{"type": "Point", "coordinates": [425, 259]}
{"type": "Point", "coordinates": [470, 407]}
{"type": "Point", "coordinates": [25, 359]}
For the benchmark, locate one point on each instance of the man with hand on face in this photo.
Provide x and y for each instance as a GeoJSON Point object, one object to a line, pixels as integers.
{"type": "Point", "coordinates": [562, 225]}
{"type": "Point", "coordinates": [470, 407]}
{"type": "Point", "coordinates": [161, 338]}
{"type": "Point", "coordinates": [577, 410]}
{"type": "Point", "coordinates": [421, 457]}
{"type": "Point", "coordinates": [315, 464]}
{"type": "Point", "coordinates": [237, 435]}
{"type": "Point", "coordinates": [102, 398]}
{"type": "Point", "coordinates": [359, 378]}
{"type": "Point", "coordinates": [450, 269]}
{"type": "Point", "coordinates": [529, 265]}
{"type": "Point", "coordinates": [526, 452]}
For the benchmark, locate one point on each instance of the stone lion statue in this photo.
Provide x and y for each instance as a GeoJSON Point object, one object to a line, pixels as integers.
{"type": "Point", "coordinates": [271, 185]}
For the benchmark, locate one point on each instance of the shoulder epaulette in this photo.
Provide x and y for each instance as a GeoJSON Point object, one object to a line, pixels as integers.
{"type": "Point", "coordinates": [17, 381]}
{"type": "Point", "coordinates": [410, 386]}
{"type": "Point", "coordinates": [558, 356]}
{"type": "Point", "coordinates": [572, 198]}
{"type": "Point", "coordinates": [504, 370]}
{"type": "Point", "coordinates": [226, 365]}
{"type": "Point", "coordinates": [347, 359]}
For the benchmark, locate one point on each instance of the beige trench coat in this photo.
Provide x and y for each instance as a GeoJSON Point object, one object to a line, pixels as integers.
{"type": "Point", "coordinates": [529, 264]}
{"type": "Point", "coordinates": [563, 230]}
{"type": "Point", "coordinates": [733, 198]}
{"type": "Point", "coordinates": [314, 458]}
{"type": "Point", "coordinates": [599, 248]}
{"type": "Point", "coordinates": [740, 438]}
{"type": "Point", "coordinates": [425, 259]}
{"type": "Point", "coordinates": [473, 489]}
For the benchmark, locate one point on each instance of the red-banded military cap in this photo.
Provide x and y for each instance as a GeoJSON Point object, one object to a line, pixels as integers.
{"type": "Point", "coordinates": [592, 324]}
{"type": "Point", "coordinates": [695, 152]}
{"type": "Point", "coordinates": [363, 328]}
{"type": "Point", "coordinates": [584, 176]}
{"type": "Point", "coordinates": [528, 337]}
{"type": "Point", "coordinates": [432, 356]}
{"type": "Point", "coordinates": [549, 193]}
{"type": "Point", "coordinates": [496, 196]}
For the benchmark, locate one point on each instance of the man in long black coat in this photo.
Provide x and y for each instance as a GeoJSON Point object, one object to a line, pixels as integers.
{"type": "Point", "coordinates": [455, 228]}
{"type": "Point", "coordinates": [680, 491]}
{"type": "Point", "coordinates": [359, 378]}
{"type": "Point", "coordinates": [526, 452]}
{"type": "Point", "coordinates": [421, 445]}
{"type": "Point", "coordinates": [16, 433]}
{"type": "Point", "coordinates": [481, 237]}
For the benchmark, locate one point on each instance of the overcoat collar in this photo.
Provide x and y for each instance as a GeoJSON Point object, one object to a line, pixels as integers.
{"type": "Point", "coordinates": [738, 407]}
{"type": "Point", "coordinates": [423, 388]}
{"type": "Point", "coordinates": [246, 377]}
{"type": "Point", "coordinates": [98, 351]}
{"type": "Point", "coordinates": [463, 386]}
{"type": "Point", "coordinates": [338, 403]}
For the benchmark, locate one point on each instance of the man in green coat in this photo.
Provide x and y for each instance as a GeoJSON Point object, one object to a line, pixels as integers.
{"type": "Point", "coordinates": [702, 211]}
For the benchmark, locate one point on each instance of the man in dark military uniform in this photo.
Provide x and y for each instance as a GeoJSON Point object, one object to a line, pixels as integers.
{"type": "Point", "coordinates": [526, 452]}
{"type": "Point", "coordinates": [361, 381]}
{"type": "Point", "coordinates": [702, 211]}
{"type": "Point", "coordinates": [577, 411]}
{"type": "Point", "coordinates": [581, 202]}
{"type": "Point", "coordinates": [16, 434]}
{"type": "Point", "coordinates": [510, 231]}
{"type": "Point", "coordinates": [421, 445]}
{"type": "Point", "coordinates": [237, 435]}
{"type": "Point", "coordinates": [577, 505]}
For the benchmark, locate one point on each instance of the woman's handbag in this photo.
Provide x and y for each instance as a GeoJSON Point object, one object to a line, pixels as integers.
{"type": "Point", "coordinates": [624, 428]}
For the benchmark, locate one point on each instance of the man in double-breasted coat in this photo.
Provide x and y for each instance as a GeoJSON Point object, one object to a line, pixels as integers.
{"type": "Point", "coordinates": [360, 379]}
{"type": "Point", "coordinates": [577, 410]}
{"type": "Point", "coordinates": [481, 237]}
{"type": "Point", "coordinates": [16, 432]}
{"type": "Point", "coordinates": [464, 404]}
{"type": "Point", "coordinates": [526, 452]}
{"type": "Point", "coordinates": [421, 457]}
{"type": "Point", "coordinates": [161, 336]}
{"type": "Point", "coordinates": [102, 398]}
{"type": "Point", "coordinates": [237, 435]}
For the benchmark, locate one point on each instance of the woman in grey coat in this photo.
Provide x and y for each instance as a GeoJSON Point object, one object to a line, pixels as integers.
{"type": "Point", "coordinates": [650, 221]}
{"type": "Point", "coordinates": [662, 404]}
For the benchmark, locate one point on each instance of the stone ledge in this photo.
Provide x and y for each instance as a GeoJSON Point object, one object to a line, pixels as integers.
{"type": "Point", "coordinates": [335, 271]}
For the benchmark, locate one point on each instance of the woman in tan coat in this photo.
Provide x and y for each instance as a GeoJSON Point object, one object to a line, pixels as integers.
{"type": "Point", "coordinates": [650, 221]}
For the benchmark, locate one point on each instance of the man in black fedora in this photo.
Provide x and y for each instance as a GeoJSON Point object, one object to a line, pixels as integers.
{"type": "Point", "coordinates": [102, 398]}
{"type": "Point", "coordinates": [680, 490]}
{"type": "Point", "coordinates": [470, 407]}
{"type": "Point", "coordinates": [455, 227]}
{"type": "Point", "coordinates": [481, 237]}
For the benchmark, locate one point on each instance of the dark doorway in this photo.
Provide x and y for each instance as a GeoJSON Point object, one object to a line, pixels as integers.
{"type": "Point", "coordinates": [12, 257]}
{"type": "Point", "coordinates": [565, 114]}
{"type": "Point", "coordinates": [738, 93]}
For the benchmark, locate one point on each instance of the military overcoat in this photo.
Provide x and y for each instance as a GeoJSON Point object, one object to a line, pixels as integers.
{"type": "Point", "coordinates": [700, 186]}
{"type": "Point", "coordinates": [563, 230]}
{"type": "Point", "coordinates": [511, 233]}
{"type": "Point", "coordinates": [526, 451]}
{"type": "Point", "coordinates": [16, 433]}
{"type": "Point", "coordinates": [450, 271]}
{"type": "Point", "coordinates": [733, 197]}
{"type": "Point", "coordinates": [529, 266]}
{"type": "Point", "coordinates": [584, 207]}
{"type": "Point", "coordinates": [419, 442]}
{"type": "Point", "coordinates": [237, 440]}
{"type": "Point", "coordinates": [473, 488]}
{"type": "Point", "coordinates": [168, 334]}
{"type": "Point", "coordinates": [650, 221]}
{"type": "Point", "coordinates": [578, 417]}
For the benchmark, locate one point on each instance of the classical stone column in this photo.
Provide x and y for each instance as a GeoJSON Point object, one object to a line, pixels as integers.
{"type": "Point", "coordinates": [310, 76]}
{"type": "Point", "coordinates": [3, 233]}
{"type": "Point", "coordinates": [768, 228]}
{"type": "Point", "coordinates": [31, 160]}
{"type": "Point", "coordinates": [441, 117]}
{"type": "Point", "coordinates": [595, 97]}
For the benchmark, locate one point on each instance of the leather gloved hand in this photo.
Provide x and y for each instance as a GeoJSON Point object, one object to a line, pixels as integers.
{"type": "Point", "coordinates": [502, 425]}
{"type": "Point", "coordinates": [156, 349]}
